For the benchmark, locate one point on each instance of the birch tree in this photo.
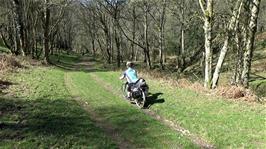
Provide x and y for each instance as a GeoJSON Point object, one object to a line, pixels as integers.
{"type": "Point", "coordinates": [230, 29]}
{"type": "Point", "coordinates": [251, 31]}
{"type": "Point", "coordinates": [146, 10]}
{"type": "Point", "coordinates": [162, 32]}
{"type": "Point", "coordinates": [208, 17]}
{"type": "Point", "coordinates": [17, 9]}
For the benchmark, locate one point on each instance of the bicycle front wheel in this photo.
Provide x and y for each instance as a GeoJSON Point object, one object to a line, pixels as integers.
{"type": "Point", "coordinates": [124, 89]}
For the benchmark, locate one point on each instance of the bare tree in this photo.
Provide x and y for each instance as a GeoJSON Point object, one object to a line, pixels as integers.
{"type": "Point", "coordinates": [230, 29]}
{"type": "Point", "coordinates": [248, 54]}
{"type": "Point", "coordinates": [17, 8]}
{"type": "Point", "coordinates": [208, 17]}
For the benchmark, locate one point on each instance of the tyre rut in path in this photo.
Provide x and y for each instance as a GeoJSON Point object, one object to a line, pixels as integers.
{"type": "Point", "coordinates": [122, 143]}
{"type": "Point", "coordinates": [193, 137]}
{"type": "Point", "coordinates": [98, 121]}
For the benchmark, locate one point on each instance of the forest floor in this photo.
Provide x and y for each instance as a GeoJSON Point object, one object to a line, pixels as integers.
{"type": "Point", "coordinates": [78, 104]}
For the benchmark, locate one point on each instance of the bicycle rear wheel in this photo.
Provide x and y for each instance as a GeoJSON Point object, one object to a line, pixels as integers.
{"type": "Point", "coordinates": [141, 101]}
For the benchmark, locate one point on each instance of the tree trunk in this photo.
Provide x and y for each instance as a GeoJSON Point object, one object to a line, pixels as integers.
{"type": "Point", "coordinates": [136, 55]}
{"type": "Point", "coordinates": [15, 42]}
{"type": "Point", "coordinates": [239, 60]}
{"type": "Point", "coordinates": [33, 42]}
{"type": "Point", "coordinates": [208, 40]}
{"type": "Point", "coordinates": [182, 28]}
{"type": "Point", "coordinates": [46, 30]}
{"type": "Point", "coordinates": [248, 54]}
{"type": "Point", "coordinates": [117, 41]}
{"type": "Point", "coordinates": [231, 28]}
{"type": "Point", "coordinates": [18, 26]}
{"type": "Point", "coordinates": [109, 48]}
{"type": "Point", "coordinates": [161, 41]}
{"type": "Point", "coordinates": [146, 39]}
{"type": "Point", "coordinates": [93, 47]}
{"type": "Point", "coordinates": [5, 41]}
{"type": "Point", "coordinates": [104, 23]}
{"type": "Point", "coordinates": [133, 53]}
{"type": "Point", "coordinates": [208, 55]}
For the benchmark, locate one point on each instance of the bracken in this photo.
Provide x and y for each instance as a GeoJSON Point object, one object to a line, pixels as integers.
{"type": "Point", "coordinates": [8, 62]}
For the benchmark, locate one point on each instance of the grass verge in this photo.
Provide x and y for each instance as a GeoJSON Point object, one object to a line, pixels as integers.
{"type": "Point", "coordinates": [40, 113]}
{"type": "Point", "coordinates": [4, 49]}
{"type": "Point", "coordinates": [128, 121]}
{"type": "Point", "coordinates": [223, 123]}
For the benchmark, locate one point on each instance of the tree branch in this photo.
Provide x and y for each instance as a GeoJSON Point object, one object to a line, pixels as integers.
{"type": "Point", "coordinates": [134, 42]}
{"type": "Point", "coordinates": [202, 6]}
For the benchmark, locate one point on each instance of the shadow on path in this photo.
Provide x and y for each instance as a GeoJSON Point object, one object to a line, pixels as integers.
{"type": "Point", "coordinates": [75, 63]}
{"type": "Point", "coordinates": [5, 84]}
{"type": "Point", "coordinates": [48, 122]}
{"type": "Point", "coordinates": [153, 99]}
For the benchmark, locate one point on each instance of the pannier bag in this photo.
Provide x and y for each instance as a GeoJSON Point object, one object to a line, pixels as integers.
{"type": "Point", "coordinates": [136, 93]}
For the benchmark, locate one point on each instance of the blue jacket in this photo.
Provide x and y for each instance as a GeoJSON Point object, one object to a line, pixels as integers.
{"type": "Point", "coordinates": [131, 75]}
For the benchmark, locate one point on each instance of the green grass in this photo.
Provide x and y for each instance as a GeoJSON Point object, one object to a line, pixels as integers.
{"type": "Point", "coordinates": [258, 83]}
{"type": "Point", "coordinates": [42, 114]}
{"type": "Point", "coordinates": [224, 123]}
{"type": "Point", "coordinates": [4, 49]}
{"type": "Point", "coordinates": [142, 130]}
{"type": "Point", "coordinates": [259, 86]}
{"type": "Point", "coordinates": [65, 58]}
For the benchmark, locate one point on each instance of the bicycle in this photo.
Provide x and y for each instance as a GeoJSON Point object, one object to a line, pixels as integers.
{"type": "Point", "coordinates": [138, 92]}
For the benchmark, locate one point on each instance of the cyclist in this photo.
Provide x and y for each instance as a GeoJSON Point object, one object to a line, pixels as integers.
{"type": "Point", "coordinates": [131, 75]}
